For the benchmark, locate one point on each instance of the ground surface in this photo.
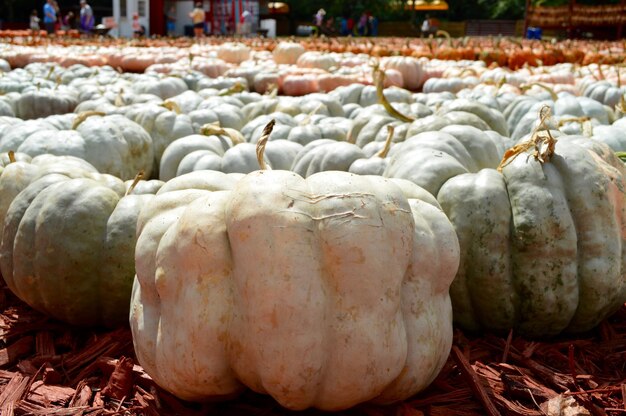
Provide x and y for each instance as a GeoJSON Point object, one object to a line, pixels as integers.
{"type": "Point", "coordinates": [48, 368]}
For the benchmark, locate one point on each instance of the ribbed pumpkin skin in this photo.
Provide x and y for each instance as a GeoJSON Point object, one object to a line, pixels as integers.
{"type": "Point", "coordinates": [542, 244]}
{"type": "Point", "coordinates": [68, 248]}
{"type": "Point", "coordinates": [322, 292]}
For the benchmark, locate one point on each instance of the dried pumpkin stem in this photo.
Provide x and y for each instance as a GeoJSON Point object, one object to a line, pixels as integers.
{"type": "Point", "coordinates": [260, 146]}
{"type": "Point", "coordinates": [119, 99]}
{"type": "Point", "coordinates": [468, 71]}
{"type": "Point", "coordinates": [573, 120]}
{"type": "Point", "coordinates": [553, 94]}
{"type": "Point", "coordinates": [379, 79]}
{"type": "Point", "coordinates": [238, 87]}
{"type": "Point", "coordinates": [172, 106]}
{"type": "Point", "coordinates": [445, 35]}
{"type": "Point", "coordinates": [84, 116]}
{"type": "Point", "coordinates": [600, 72]}
{"type": "Point", "coordinates": [621, 106]}
{"type": "Point", "coordinates": [139, 176]}
{"type": "Point", "coordinates": [543, 144]}
{"type": "Point", "coordinates": [50, 71]}
{"type": "Point", "coordinates": [214, 129]}
{"type": "Point", "coordinates": [383, 152]}
{"type": "Point", "coordinates": [308, 117]}
{"type": "Point", "coordinates": [12, 157]}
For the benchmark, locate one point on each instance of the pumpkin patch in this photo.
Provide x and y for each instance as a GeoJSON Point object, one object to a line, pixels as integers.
{"type": "Point", "coordinates": [317, 220]}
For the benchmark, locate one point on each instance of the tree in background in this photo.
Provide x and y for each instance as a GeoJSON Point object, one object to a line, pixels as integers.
{"type": "Point", "coordinates": [459, 9]}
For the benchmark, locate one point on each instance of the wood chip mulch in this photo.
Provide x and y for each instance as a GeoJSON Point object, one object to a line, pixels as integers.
{"type": "Point", "coordinates": [48, 368]}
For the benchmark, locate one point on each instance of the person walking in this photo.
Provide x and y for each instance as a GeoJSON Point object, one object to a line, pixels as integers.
{"type": "Point", "coordinates": [49, 16]}
{"type": "Point", "coordinates": [86, 17]}
{"type": "Point", "coordinates": [197, 18]}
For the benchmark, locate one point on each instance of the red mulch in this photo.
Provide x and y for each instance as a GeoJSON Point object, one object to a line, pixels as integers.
{"type": "Point", "coordinates": [48, 368]}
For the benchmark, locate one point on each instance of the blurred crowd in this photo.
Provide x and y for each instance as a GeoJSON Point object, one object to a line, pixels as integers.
{"type": "Point", "coordinates": [364, 25]}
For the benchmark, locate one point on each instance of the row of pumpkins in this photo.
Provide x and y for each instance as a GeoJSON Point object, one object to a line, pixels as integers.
{"type": "Point", "coordinates": [315, 248]}
{"type": "Point", "coordinates": [508, 52]}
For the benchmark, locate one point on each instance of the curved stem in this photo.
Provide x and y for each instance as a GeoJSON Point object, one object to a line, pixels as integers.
{"type": "Point", "coordinates": [468, 70]}
{"type": "Point", "coordinates": [379, 78]}
{"type": "Point", "coordinates": [573, 120]}
{"type": "Point", "coordinates": [139, 176]}
{"type": "Point", "coordinates": [553, 94]}
{"type": "Point", "coordinates": [383, 152]}
{"type": "Point", "coordinates": [260, 146]}
{"type": "Point", "coordinates": [172, 106]}
{"type": "Point", "coordinates": [308, 117]}
{"type": "Point", "coordinates": [238, 87]}
{"type": "Point", "coordinates": [214, 129]}
{"type": "Point", "coordinates": [84, 116]}
{"type": "Point", "coordinates": [445, 35]}
{"type": "Point", "coordinates": [12, 157]}
{"type": "Point", "coordinates": [543, 144]}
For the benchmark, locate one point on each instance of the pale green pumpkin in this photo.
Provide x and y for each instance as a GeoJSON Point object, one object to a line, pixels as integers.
{"type": "Point", "coordinates": [84, 277]}
{"type": "Point", "coordinates": [542, 243]}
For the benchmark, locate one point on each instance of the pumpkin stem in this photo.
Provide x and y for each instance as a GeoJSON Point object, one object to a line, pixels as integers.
{"type": "Point", "coordinates": [50, 71]}
{"type": "Point", "coordinates": [468, 70]}
{"type": "Point", "coordinates": [119, 99]}
{"type": "Point", "coordinates": [139, 176]}
{"type": "Point", "coordinates": [379, 79]}
{"type": "Point", "coordinates": [621, 106]}
{"type": "Point", "coordinates": [553, 94]}
{"type": "Point", "coordinates": [238, 87]}
{"type": "Point", "coordinates": [543, 144]}
{"type": "Point", "coordinates": [12, 156]}
{"type": "Point", "coordinates": [272, 90]}
{"type": "Point", "coordinates": [383, 152]}
{"type": "Point", "coordinates": [260, 146]}
{"type": "Point", "coordinates": [84, 116]}
{"type": "Point", "coordinates": [308, 117]}
{"type": "Point", "coordinates": [585, 122]}
{"type": "Point", "coordinates": [172, 106]}
{"type": "Point", "coordinates": [600, 72]}
{"type": "Point", "coordinates": [214, 129]}
{"type": "Point", "coordinates": [445, 35]}
{"type": "Point", "coordinates": [499, 85]}
{"type": "Point", "coordinates": [619, 77]}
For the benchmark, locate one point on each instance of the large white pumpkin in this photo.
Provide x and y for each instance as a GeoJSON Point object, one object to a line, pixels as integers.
{"type": "Point", "coordinates": [322, 292]}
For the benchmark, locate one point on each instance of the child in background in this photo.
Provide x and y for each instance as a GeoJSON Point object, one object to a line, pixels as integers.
{"type": "Point", "coordinates": [34, 21]}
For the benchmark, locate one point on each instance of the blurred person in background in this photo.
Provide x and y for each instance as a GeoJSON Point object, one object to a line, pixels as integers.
{"type": "Point", "coordinates": [49, 16]}
{"type": "Point", "coordinates": [34, 21]}
{"type": "Point", "coordinates": [170, 21]}
{"type": "Point", "coordinates": [87, 19]}
{"type": "Point", "coordinates": [197, 18]}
